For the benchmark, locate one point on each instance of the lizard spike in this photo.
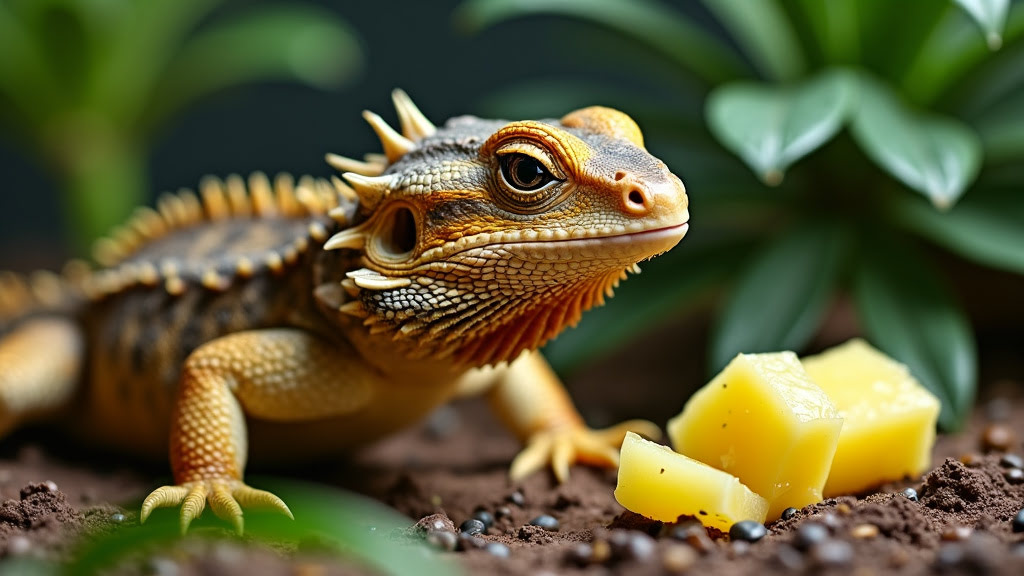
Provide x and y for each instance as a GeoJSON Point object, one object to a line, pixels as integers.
{"type": "Point", "coordinates": [349, 285]}
{"type": "Point", "coordinates": [237, 196]}
{"type": "Point", "coordinates": [346, 164]}
{"type": "Point", "coordinates": [147, 274]}
{"type": "Point", "coordinates": [172, 209]}
{"type": "Point", "coordinates": [309, 200]}
{"type": "Point", "coordinates": [274, 262]}
{"type": "Point", "coordinates": [371, 190]}
{"type": "Point", "coordinates": [192, 206]}
{"type": "Point", "coordinates": [214, 198]}
{"type": "Point", "coordinates": [415, 125]}
{"type": "Point", "coordinates": [244, 267]}
{"type": "Point", "coordinates": [284, 187]}
{"type": "Point", "coordinates": [353, 308]}
{"type": "Point", "coordinates": [350, 238]}
{"type": "Point", "coordinates": [46, 287]}
{"type": "Point", "coordinates": [107, 252]}
{"type": "Point", "coordinates": [371, 280]}
{"type": "Point", "coordinates": [395, 145]}
{"type": "Point", "coordinates": [262, 195]}
{"type": "Point", "coordinates": [148, 223]}
{"type": "Point", "coordinates": [344, 190]}
{"type": "Point", "coordinates": [635, 269]}
{"type": "Point", "coordinates": [317, 231]}
{"type": "Point", "coordinates": [212, 280]}
{"type": "Point", "coordinates": [174, 285]}
{"type": "Point", "coordinates": [291, 255]}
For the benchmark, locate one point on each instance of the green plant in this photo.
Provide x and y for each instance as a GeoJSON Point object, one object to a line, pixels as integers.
{"type": "Point", "coordinates": [874, 129]}
{"type": "Point", "coordinates": [85, 83]}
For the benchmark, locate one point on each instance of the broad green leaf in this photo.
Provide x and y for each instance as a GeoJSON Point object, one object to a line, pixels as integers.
{"type": "Point", "coordinates": [671, 285]}
{"type": "Point", "coordinates": [1001, 128]}
{"type": "Point", "coordinates": [782, 295]}
{"type": "Point", "coordinates": [296, 41]}
{"type": "Point", "coordinates": [352, 525]}
{"type": "Point", "coordinates": [990, 16]}
{"type": "Point", "coordinates": [648, 21]}
{"type": "Point", "coordinates": [907, 311]}
{"type": "Point", "coordinates": [765, 34]}
{"type": "Point", "coordinates": [771, 127]}
{"type": "Point", "coordinates": [935, 155]}
{"type": "Point", "coordinates": [987, 227]}
{"type": "Point", "coordinates": [952, 53]}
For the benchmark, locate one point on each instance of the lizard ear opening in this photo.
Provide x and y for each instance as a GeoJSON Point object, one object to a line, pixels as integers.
{"type": "Point", "coordinates": [605, 121]}
{"type": "Point", "coordinates": [396, 237]}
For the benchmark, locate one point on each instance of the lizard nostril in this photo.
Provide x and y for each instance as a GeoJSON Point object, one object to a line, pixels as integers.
{"type": "Point", "coordinates": [636, 201]}
{"type": "Point", "coordinates": [636, 197]}
{"type": "Point", "coordinates": [619, 175]}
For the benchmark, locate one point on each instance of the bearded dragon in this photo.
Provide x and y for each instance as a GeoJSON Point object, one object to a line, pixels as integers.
{"type": "Point", "coordinates": [311, 317]}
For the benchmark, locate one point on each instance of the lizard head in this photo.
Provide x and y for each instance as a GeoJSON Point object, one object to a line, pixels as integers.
{"type": "Point", "coordinates": [481, 239]}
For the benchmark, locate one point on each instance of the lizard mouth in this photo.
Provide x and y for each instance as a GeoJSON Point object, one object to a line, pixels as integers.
{"type": "Point", "coordinates": [627, 248]}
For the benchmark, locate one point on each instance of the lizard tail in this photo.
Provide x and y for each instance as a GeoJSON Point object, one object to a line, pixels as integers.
{"type": "Point", "coordinates": [41, 292]}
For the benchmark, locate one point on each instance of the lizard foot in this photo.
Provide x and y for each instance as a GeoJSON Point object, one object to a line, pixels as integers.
{"type": "Point", "coordinates": [225, 496]}
{"type": "Point", "coordinates": [563, 447]}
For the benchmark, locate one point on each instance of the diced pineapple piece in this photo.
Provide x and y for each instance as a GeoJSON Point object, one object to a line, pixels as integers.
{"type": "Point", "coordinates": [661, 484]}
{"type": "Point", "coordinates": [889, 426]}
{"type": "Point", "coordinates": [764, 421]}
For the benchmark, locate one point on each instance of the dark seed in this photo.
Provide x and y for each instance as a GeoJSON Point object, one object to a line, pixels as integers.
{"type": "Point", "coordinates": [497, 549]}
{"type": "Point", "coordinates": [1014, 475]}
{"type": "Point", "coordinates": [549, 523]}
{"type": "Point", "coordinates": [1018, 522]}
{"type": "Point", "coordinates": [484, 516]}
{"type": "Point", "coordinates": [582, 554]}
{"type": "Point", "coordinates": [910, 494]}
{"type": "Point", "coordinates": [809, 535]}
{"type": "Point", "coordinates": [833, 552]}
{"type": "Point", "coordinates": [517, 498]}
{"type": "Point", "coordinates": [631, 545]}
{"type": "Point", "coordinates": [117, 517]}
{"type": "Point", "coordinates": [789, 513]}
{"type": "Point", "coordinates": [502, 512]}
{"type": "Point", "coordinates": [747, 531]}
{"type": "Point", "coordinates": [442, 540]}
{"type": "Point", "coordinates": [472, 527]}
{"type": "Point", "coordinates": [957, 533]}
{"type": "Point", "coordinates": [997, 438]}
{"type": "Point", "coordinates": [470, 542]}
{"type": "Point", "coordinates": [1011, 461]}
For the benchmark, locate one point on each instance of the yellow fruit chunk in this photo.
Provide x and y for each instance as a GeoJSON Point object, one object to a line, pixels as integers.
{"type": "Point", "coordinates": [764, 421]}
{"type": "Point", "coordinates": [661, 484]}
{"type": "Point", "coordinates": [890, 419]}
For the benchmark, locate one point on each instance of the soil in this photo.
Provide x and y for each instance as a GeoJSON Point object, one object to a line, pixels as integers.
{"type": "Point", "coordinates": [445, 470]}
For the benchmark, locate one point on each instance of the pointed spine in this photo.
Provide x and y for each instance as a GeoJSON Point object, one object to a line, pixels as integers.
{"type": "Point", "coordinates": [395, 145]}
{"type": "Point", "coordinates": [415, 125]}
{"type": "Point", "coordinates": [346, 164]}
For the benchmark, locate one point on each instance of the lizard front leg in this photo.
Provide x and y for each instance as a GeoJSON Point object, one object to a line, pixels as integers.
{"type": "Point", "coordinates": [531, 401]}
{"type": "Point", "coordinates": [279, 374]}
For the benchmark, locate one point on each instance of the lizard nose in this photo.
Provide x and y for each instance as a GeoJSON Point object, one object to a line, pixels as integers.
{"type": "Point", "coordinates": [646, 199]}
{"type": "Point", "coordinates": [636, 198]}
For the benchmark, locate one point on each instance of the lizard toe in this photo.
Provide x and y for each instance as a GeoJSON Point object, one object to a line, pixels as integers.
{"type": "Point", "coordinates": [561, 448]}
{"type": "Point", "coordinates": [225, 497]}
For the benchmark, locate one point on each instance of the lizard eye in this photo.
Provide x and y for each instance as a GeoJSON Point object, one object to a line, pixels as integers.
{"type": "Point", "coordinates": [524, 173]}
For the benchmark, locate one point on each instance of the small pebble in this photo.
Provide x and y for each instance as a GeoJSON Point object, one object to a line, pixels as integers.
{"type": "Point", "coordinates": [631, 545]}
{"type": "Point", "coordinates": [747, 531]}
{"type": "Point", "coordinates": [957, 533]}
{"type": "Point", "coordinates": [809, 535]}
{"type": "Point", "coordinates": [517, 498]}
{"type": "Point", "coordinates": [1014, 475]}
{"type": "Point", "coordinates": [502, 512]}
{"type": "Point", "coordinates": [1018, 522]}
{"type": "Point", "coordinates": [582, 554]}
{"type": "Point", "coordinates": [681, 530]}
{"type": "Point", "coordinates": [864, 531]}
{"type": "Point", "coordinates": [470, 542]}
{"type": "Point", "coordinates": [547, 522]}
{"type": "Point", "coordinates": [472, 527]}
{"type": "Point", "coordinates": [601, 550]}
{"type": "Point", "coordinates": [442, 540]}
{"type": "Point", "coordinates": [50, 485]}
{"type": "Point", "coordinates": [497, 549]}
{"type": "Point", "coordinates": [910, 494]}
{"type": "Point", "coordinates": [843, 509]}
{"type": "Point", "coordinates": [950, 555]}
{"type": "Point", "coordinates": [997, 438]}
{"type": "Point", "coordinates": [160, 566]}
{"type": "Point", "coordinates": [484, 516]}
{"type": "Point", "coordinates": [831, 521]}
{"type": "Point", "coordinates": [700, 541]}
{"type": "Point", "coordinates": [117, 518]}
{"type": "Point", "coordinates": [18, 545]}
{"type": "Point", "coordinates": [1011, 461]}
{"type": "Point", "coordinates": [789, 513]}
{"type": "Point", "coordinates": [790, 558]}
{"type": "Point", "coordinates": [972, 460]}
{"type": "Point", "coordinates": [832, 553]}
{"type": "Point", "coordinates": [678, 558]}
{"type": "Point", "coordinates": [738, 548]}
{"type": "Point", "coordinates": [435, 522]}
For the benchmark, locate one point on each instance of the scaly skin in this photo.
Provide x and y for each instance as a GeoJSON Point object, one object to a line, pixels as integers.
{"type": "Point", "coordinates": [319, 318]}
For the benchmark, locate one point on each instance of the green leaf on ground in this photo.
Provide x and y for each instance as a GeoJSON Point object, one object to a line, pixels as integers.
{"type": "Point", "coordinates": [987, 228]}
{"type": "Point", "coordinates": [990, 16]}
{"type": "Point", "coordinates": [782, 295]}
{"type": "Point", "coordinates": [935, 155]}
{"type": "Point", "coordinates": [907, 311]}
{"type": "Point", "coordinates": [652, 23]}
{"type": "Point", "coordinates": [772, 127]}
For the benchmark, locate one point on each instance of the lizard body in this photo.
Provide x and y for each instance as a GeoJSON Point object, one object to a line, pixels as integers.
{"type": "Point", "coordinates": [310, 318]}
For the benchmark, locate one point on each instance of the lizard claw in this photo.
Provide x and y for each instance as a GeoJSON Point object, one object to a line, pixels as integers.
{"type": "Point", "coordinates": [225, 497]}
{"type": "Point", "coordinates": [561, 448]}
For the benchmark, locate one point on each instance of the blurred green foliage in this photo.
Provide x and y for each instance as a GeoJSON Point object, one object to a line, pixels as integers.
{"type": "Point", "coordinates": [872, 129]}
{"type": "Point", "coordinates": [85, 83]}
